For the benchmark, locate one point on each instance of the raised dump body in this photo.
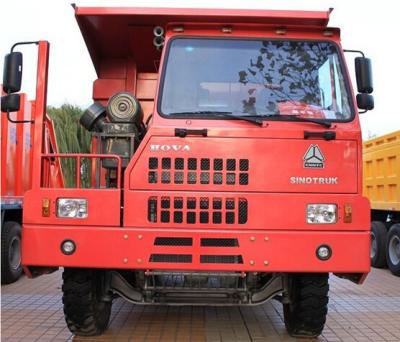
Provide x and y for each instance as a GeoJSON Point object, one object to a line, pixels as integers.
{"type": "Point", "coordinates": [226, 167]}
{"type": "Point", "coordinates": [381, 159]}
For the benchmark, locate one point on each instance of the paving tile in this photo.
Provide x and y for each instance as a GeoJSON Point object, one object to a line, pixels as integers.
{"type": "Point", "coordinates": [31, 310]}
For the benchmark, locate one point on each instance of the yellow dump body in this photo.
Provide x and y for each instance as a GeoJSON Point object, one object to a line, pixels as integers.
{"type": "Point", "coordinates": [381, 183]}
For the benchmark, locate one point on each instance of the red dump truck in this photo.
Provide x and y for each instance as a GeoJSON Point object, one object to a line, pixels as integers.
{"type": "Point", "coordinates": [225, 166]}
{"type": "Point", "coordinates": [16, 166]}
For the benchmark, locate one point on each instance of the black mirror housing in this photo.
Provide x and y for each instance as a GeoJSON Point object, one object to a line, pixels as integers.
{"type": "Point", "coordinates": [10, 103]}
{"type": "Point", "coordinates": [364, 75]}
{"type": "Point", "coordinates": [365, 101]}
{"type": "Point", "coordinates": [12, 72]}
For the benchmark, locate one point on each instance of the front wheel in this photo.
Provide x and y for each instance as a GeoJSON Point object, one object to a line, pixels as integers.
{"type": "Point", "coordinates": [11, 268]}
{"type": "Point", "coordinates": [85, 311]}
{"type": "Point", "coordinates": [305, 315]}
{"type": "Point", "coordinates": [393, 249]}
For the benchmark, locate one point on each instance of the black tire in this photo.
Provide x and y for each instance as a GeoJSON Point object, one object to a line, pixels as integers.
{"type": "Point", "coordinates": [85, 313]}
{"type": "Point", "coordinates": [393, 249]}
{"type": "Point", "coordinates": [11, 268]}
{"type": "Point", "coordinates": [305, 315]}
{"type": "Point", "coordinates": [378, 244]}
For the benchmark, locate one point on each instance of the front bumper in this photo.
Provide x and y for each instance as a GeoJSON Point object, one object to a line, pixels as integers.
{"type": "Point", "coordinates": [138, 248]}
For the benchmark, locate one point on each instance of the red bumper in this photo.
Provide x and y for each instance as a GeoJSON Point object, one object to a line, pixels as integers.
{"type": "Point", "coordinates": [135, 248]}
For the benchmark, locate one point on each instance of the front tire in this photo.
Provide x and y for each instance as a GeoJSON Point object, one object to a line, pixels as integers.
{"type": "Point", "coordinates": [393, 249]}
{"type": "Point", "coordinates": [11, 268]}
{"type": "Point", "coordinates": [305, 315]}
{"type": "Point", "coordinates": [85, 312]}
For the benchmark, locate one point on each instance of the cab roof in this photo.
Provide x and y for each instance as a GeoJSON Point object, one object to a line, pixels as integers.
{"type": "Point", "coordinates": [119, 32]}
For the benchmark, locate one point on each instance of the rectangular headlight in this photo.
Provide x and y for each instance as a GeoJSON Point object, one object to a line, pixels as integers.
{"type": "Point", "coordinates": [72, 207]}
{"type": "Point", "coordinates": [321, 213]}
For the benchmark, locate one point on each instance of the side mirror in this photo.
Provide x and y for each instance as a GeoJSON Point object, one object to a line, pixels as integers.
{"type": "Point", "coordinates": [10, 103]}
{"type": "Point", "coordinates": [12, 72]}
{"type": "Point", "coordinates": [363, 75]}
{"type": "Point", "coordinates": [365, 101]}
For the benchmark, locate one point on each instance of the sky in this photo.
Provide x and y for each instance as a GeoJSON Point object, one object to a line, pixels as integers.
{"type": "Point", "coordinates": [365, 25]}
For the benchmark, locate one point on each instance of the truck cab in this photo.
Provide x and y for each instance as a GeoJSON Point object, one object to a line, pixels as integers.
{"type": "Point", "coordinates": [225, 167]}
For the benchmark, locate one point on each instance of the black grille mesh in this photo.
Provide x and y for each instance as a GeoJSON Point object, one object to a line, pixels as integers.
{"type": "Point", "coordinates": [191, 210]}
{"type": "Point", "coordinates": [173, 241]}
{"type": "Point", "coordinates": [203, 256]}
{"type": "Point", "coordinates": [221, 259]}
{"type": "Point", "coordinates": [217, 171]}
{"type": "Point", "coordinates": [178, 258]}
{"type": "Point", "coordinates": [219, 242]}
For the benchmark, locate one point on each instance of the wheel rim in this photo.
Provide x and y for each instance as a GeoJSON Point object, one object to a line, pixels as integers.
{"type": "Point", "coordinates": [374, 246]}
{"type": "Point", "coordinates": [394, 250]}
{"type": "Point", "coordinates": [14, 254]}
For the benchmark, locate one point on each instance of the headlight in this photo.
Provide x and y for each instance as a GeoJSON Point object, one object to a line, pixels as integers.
{"type": "Point", "coordinates": [72, 207]}
{"type": "Point", "coordinates": [321, 213]}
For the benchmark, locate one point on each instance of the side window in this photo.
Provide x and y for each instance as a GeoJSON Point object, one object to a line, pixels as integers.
{"type": "Point", "coordinates": [325, 84]}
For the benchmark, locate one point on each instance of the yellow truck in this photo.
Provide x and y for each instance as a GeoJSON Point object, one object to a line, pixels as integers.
{"type": "Point", "coordinates": [381, 184]}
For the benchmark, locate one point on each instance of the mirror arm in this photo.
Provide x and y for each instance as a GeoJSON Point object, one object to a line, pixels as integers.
{"type": "Point", "coordinates": [23, 43]}
{"type": "Point", "coordinates": [18, 121]}
{"type": "Point", "coordinates": [355, 51]}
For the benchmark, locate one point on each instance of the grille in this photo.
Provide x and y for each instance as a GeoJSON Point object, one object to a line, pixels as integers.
{"type": "Point", "coordinates": [191, 210]}
{"type": "Point", "coordinates": [217, 171]}
{"type": "Point", "coordinates": [221, 259]}
{"type": "Point", "coordinates": [199, 254]}
{"type": "Point", "coordinates": [173, 241]}
{"type": "Point", "coordinates": [178, 258]}
{"type": "Point", "coordinates": [222, 242]}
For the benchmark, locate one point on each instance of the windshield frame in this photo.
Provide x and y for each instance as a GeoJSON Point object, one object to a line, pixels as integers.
{"type": "Point", "coordinates": [342, 65]}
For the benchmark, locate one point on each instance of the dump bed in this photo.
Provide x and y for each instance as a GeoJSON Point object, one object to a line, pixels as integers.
{"type": "Point", "coordinates": [381, 158]}
{"type": "Point", "coordinates": [16, 155]}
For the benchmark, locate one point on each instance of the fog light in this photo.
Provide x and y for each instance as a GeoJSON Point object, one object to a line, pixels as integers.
{"type": "Point", "coordinates": [324, 252]}
{"type": "Point", "coordinates": [68, 247]}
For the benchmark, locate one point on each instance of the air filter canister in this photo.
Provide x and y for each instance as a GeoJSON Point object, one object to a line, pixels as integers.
{"type": "Point", "coordinates": [124, 107]}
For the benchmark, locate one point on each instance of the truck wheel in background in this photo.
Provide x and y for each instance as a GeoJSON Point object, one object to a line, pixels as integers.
{"type": "Point", "coordinates": [378, 244]}
{"type": "Point", "coordinates": [305, 315]}
{"type": "Point", "coordinates": [85, 312]}
{"type": "Point", "coordinates": [11, 268]}
{"type": "Point", "coordinates": [393, 249]}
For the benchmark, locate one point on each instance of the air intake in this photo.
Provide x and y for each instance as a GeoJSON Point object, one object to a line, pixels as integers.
{"type": "Point", "coordinates": [195, 210]}
{"type": "Point", "coordinates": [204, 171]}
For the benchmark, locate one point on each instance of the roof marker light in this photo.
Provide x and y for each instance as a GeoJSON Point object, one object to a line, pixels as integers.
{"type": "Point", "coordinates": [178, 29]}
{"type": "Point", "coordinates": [327, 33]}
{"type": "Point", "coordinates": [281, 31]}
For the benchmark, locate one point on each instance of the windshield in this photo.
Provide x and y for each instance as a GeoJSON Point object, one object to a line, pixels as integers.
{"type": "Point", "coordinates": [254, 77]}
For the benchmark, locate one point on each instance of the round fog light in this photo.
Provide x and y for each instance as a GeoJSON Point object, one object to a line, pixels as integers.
{"type": "Point", "coordinates": [68, 247]}
{"type": "Point", "coordinates": [324, 252]}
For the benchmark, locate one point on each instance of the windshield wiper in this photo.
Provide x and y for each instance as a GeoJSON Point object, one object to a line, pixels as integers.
{"type": "Point", "coordinates": [256, 119]}
{"type": "Point", "coordinates": [227, 115]}
{"type": "Point", "coordinates": [322, 122]}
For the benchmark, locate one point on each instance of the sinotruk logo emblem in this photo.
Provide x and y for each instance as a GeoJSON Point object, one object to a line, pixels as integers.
{"type": "Point", "coordinates": [313, 159]}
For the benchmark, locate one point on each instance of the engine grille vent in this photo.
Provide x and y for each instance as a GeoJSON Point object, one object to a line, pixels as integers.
{"type": "Point", "coordinates": [191, 210]}
{"type": "Point", "coordinates": [221, 259]}
{"type": "Point", "coordinates": [200, 251]}
{"type": "Point", "coordinates": [205, 171]}
{"type": "Point", "coordinates": [178, 258]}
{"type": "Point", "coordinates": [219, 242]}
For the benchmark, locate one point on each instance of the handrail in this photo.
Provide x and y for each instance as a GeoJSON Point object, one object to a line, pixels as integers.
{"type": "Point", "coordinates": [79, 156]}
